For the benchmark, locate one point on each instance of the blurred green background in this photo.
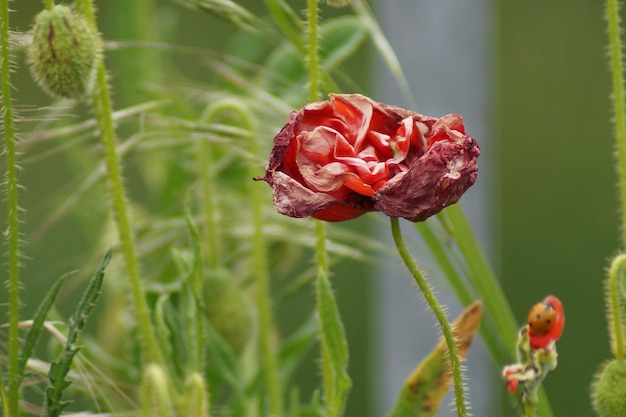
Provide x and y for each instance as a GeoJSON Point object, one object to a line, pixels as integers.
{"type": "Point", "coordinates": [556, 205]}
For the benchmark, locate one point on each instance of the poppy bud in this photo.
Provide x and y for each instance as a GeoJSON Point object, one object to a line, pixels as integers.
{"type": "Point", "coordinates": [609, 390]}
{"type": "Point", "coordinates": [64, 53]}
{"type": "Point", "coordinates": [228, 309]}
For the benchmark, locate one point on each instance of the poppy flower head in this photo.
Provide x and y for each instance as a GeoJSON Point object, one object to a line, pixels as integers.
{"type": "Point", "coordinates": [338, 159]}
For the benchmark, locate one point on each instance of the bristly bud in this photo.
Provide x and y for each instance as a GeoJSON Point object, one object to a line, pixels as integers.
{"type": "Point", "coordinates": [609, 390]}
{"type": "Point", "coordinates": [338, 3]}
{"type": "Point", "coordinates": [65, 53]}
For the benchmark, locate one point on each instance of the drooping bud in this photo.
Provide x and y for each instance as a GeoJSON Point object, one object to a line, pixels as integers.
{"type": "Point", "coordinates": [228, 309]}
{"type": "Point", "coordinates": [609, 390]}
{"type": "Point", "coordinates": [64, 53]}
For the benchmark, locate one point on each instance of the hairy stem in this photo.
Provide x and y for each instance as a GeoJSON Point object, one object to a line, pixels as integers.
{"type": "Point", "coordinates": [104, 116]}
{"type": "Point", "coordinates": [617, 71]}
{"type": "Point", "coordinates": [446, 328]}
{"type": "Point", "coordinates": [269, 350]}
{"type": "Point", "coordinates": [313, 50]}
{"type": "Point", "coordinates": [12, 230]}
{"type": "Point", "coordinates": [267, 342]}
{"type": "Point", "coordinates": [615, 298]}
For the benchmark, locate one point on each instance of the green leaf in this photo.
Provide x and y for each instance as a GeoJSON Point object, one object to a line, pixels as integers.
{"type": "Point", "coordinates": [336, 381]}
{"type": "Point", "coordinates": [38, 322]}
{"type": "Point", "coordinates": [223, 360]}
{"type": "Point", "coordinates": [61, 367]}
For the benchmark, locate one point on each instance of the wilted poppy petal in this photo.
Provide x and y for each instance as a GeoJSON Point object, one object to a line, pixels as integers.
{"type": "Point", "coordinates": [340, 158]}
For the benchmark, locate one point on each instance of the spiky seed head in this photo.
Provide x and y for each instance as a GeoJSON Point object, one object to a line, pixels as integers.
{"type": "Point", "coordinates": [609, 390]}
{"type": "Point", "coordinates": [65, 53]}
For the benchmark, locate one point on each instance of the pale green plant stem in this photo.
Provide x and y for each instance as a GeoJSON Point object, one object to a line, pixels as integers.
{"type": "Point", "coordinates": [617, 71]}
{"type": "Point", "coordinates": [49, 4]}
{"type": "Point", "coordinates": [104, 116]}
{"type": "Point", "coordinates": [267, 342]}
{"type": "Point", "coordinates": [484, 279]}
{"type": "Point", "coordinates": [529, 410]}
{"type": "Point", "coordinates": [206, 172]}
{"type": "Point", "coordinates": [313, 50]}
{"type": "Point", "coordinates": [446, 328]}
{"type": "Point", "coordinates": [269, 350]}
{"type": "Point", "coordinates": [615, 295]}
{"type": "Point", "coordinates": [12, 230]}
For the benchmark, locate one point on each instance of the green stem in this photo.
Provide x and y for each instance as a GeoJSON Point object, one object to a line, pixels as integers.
{"type": "Point", "coordinates": [269, 350]}
{"type": "Point", "coordinates": [267, 342]}
{"type": "Point", "coordinates": [529, 410]}
{"type": "Point", "coordinates": [12, 231]}
{"type": "Point", "coordinates": [615, 295]}
{"type": "Point", "coordinates": [104, 116]}
{"type": "Point", "coordinates": [313, 50]}
{"type": "Point", "coordinates": [446, 328]}
{"type": "Point", "coordinates": [617, 71]}
{"type": "Point", "coordinates": [49, 4]}
{"type": "Point", "coordinates": [207, 178]}
{"type": "Point", "coordinates": [481, 275]}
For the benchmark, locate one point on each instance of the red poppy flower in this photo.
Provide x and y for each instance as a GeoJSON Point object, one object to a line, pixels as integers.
{"type": "Point", "coordinates": [338, 159]}
{"type": "Point", "coordinates": [546, 321]}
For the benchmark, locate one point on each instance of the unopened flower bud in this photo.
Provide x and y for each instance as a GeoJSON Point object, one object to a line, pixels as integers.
{"type": "Point", "coordinates": [609, 390]}
{"type": "Point", "coordinates": [65, 53]}
{"type": "Point", "coordinates": [228, 309]}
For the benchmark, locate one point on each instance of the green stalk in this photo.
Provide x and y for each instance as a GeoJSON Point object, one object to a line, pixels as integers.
{"type": "Point", "coordinates": [529, 410]}
{"type": "Point", "coordinates": [483, 277]}
{"type": "Point", "coordinates": [206, 171]}
{"type": "Point", "coordinates": [617, 71]}
{"type": "Point", "coordinates": [313, 50]}
{"type": "Point", "coordinates": [49, 4]}
{"type": "Point", "coordinates": [269, 350]}
{"type": "Point", "coordinates": [103, 112]}
{"type": "Point", "coordinates": [446, 328]}
{"type": "Point", "coordinates": [267, 342]}
{"type": "Point", "coordinates": [12, 231]}
{"type": "Point", "coordinates": [615, 295]}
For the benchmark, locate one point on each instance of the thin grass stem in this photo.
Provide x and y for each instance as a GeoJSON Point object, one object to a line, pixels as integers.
{"type": "Point", "coordinates": [446, 328]}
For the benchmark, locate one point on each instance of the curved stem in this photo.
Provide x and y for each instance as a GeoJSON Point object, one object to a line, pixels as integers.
{"type": "Point", "coordinates": [615, 295]}
{"type": "Point", "coordinates": [259, 255]}
{"type": "Point", "coordinates": [104, 116]}
{"type": "Point", "coordinates": [617, 71]}
{"type": "Point", "coordinates": [12, 230]}
{"type": "Point", "coordinates": [446, 328]}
